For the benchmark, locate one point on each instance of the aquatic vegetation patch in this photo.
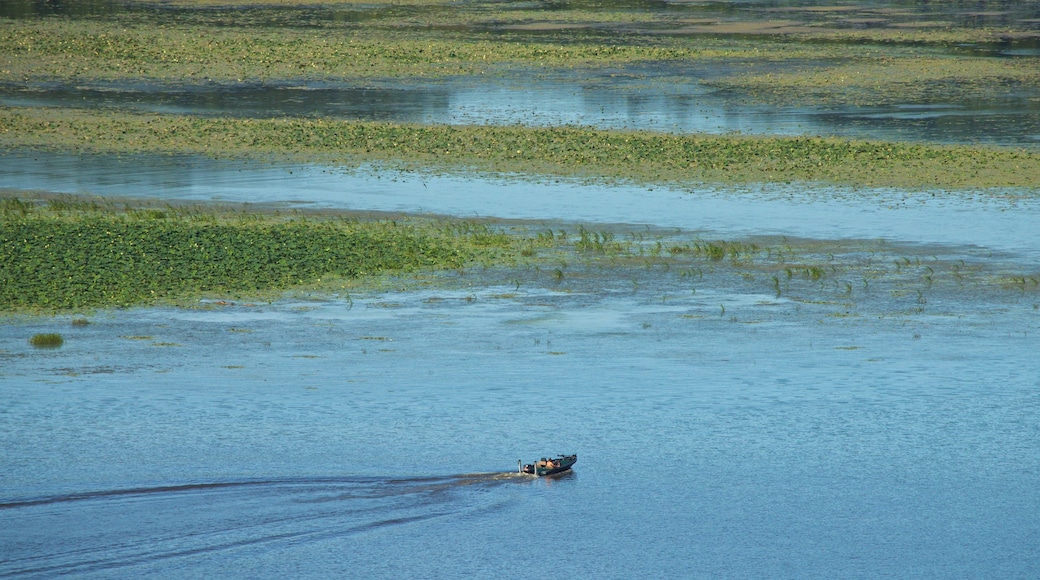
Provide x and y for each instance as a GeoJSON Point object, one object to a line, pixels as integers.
{"type": "Point", "coordinates": [602, 242]}
{"type": "Point", "coordinates": [60, 260]}
{"type": "Point", "coordinates": [637, 156]}
{"type": "Point", "coordinates": [47, 50]}
{"type": "Point", "coordinates": [91, 254]}
{"type": "Point", "coordinates": [47, 340]}
{"type": "Point", "coordinates": [884, 79]}
{"type": "Point", "coordinates": [852, 277]}
{"type": "Point", "coordinates": [1021, 282]}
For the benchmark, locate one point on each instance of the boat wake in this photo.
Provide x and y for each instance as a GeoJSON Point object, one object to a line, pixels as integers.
{"type": "Point", "coordinates": [146, 529]}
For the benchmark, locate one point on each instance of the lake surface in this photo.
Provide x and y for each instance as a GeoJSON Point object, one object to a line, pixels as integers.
{"type": "Point", "coordinates": [863, 425]}
{"type": "Point", "coordinates": [721, 430]}
{"type": "Point", "coordinates": [334, 437]}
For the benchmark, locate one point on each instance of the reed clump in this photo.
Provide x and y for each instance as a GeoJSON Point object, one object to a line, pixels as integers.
{"type": "Point", "coordinates": [47, 340]}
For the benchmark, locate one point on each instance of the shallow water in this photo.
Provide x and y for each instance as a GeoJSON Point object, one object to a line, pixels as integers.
{"type": "Point", "coordinates": [997, 222]}
{"type": "Point", "coordinates": [645, 98]}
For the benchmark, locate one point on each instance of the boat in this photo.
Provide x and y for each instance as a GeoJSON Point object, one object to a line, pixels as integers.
{"type": "Point", "coordinates": [548, 466]}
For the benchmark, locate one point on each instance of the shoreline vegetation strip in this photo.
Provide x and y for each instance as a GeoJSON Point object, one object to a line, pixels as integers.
{"type": "Point", "coordinates": [393, 44]}
{"type": "Point", "coordinates": [75, 253]}
{"type": "Point", "coordinates": [70, 253]}
{"type": "Point", "coordinates": [568, 151]}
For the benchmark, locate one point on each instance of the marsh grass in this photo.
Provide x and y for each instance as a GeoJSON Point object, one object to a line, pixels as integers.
{"type": "Point", "coordinates": [822, 60]}
{"type": "Point", "coordinates": [602, 242]}
{"type": "Point", "coordinates": [877, 81]}
{"type": "Point", "coordinates": [74, 254]}
{"type": "Point", "coordinates": [634, 156]}
{"type": "Point", "coordinates": [47, 340]}
{"type": "Point", "coordinates": [198, 51]}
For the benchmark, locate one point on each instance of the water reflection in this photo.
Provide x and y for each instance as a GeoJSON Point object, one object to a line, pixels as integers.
{"type": "Point", "coordinates": [598, 101]}
{"type": "Point", "coordinates": [76, 8]}
{"type": "Point", "coordinates": [257, 101]}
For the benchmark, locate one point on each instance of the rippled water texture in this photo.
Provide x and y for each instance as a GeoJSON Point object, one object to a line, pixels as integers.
{"type": "Point", "coordinates": [858, 426]}
{"type": "Point", "coordinates": [723, 433]}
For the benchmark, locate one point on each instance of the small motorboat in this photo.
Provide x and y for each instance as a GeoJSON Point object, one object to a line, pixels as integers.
{"type": "Point", "coordinates": [548, 465]}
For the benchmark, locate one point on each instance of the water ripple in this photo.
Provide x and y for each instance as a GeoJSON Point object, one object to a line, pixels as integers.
{"type": "Point", "coordinates": [119, 529]}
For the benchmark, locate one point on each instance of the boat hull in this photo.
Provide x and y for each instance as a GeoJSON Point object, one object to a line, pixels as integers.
{"type": "Point", "coordinates": [551, 466]}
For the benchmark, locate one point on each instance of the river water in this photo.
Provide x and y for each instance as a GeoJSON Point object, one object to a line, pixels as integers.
{"type": "Point", "coordinates": [722, 429]}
